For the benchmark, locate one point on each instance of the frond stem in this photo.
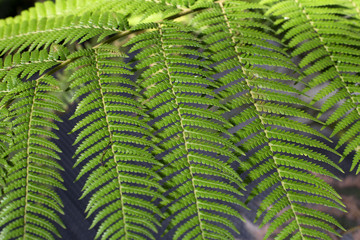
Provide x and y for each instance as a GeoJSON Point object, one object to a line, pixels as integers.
{"type": "Point", "coordinates": [28, 63]}
{"type": "Point", "coordinates": [28, 154]}
{"type": "Point", "coordinates": [22, 35]}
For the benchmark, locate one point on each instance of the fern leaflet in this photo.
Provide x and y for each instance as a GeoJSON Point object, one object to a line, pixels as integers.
{"type": "Point", "coordinates": [193, 150]}
{"type": "Point", "coordinates": [29, 199]}
{"type": "Point", "coordinates": [268, 131]}
{"type": "Point", "coordinates": [113, 140]}
{"type": "Point", "coordinates": [331, 60]}
{"type": "Point", "coordinates": [25, 31]}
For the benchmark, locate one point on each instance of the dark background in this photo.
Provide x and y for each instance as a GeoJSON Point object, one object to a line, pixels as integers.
{"type": "Point", "coordinates": [78, 225]}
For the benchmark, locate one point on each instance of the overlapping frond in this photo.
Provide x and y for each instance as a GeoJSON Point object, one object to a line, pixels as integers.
{"type": "Point", "coordinates": [205, 94]}
{"type": "Point", "coordinates": [30, 207]}
{"type": "Point", "coordinates": [69, 8]}
{"type": "Point", "coordinates": [138, 11]}
{"type": "Point", "coordinates": [266, 109]}
{"type": "Point", "coordinates": [27, 32]}
{"type": "Point", "coordinates": [329, 58]}
{"type": "Point", "coordinates": [113, 139]}
{"type": "Point", "coordinates": [5, 140]}
{"type": "Point", "coordinates": [204, 189]}
{"type": "Point", "coordinates": [25, 65]}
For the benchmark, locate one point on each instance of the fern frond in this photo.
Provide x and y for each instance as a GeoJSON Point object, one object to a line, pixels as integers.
{"type": "Point", "coordinates": [25, 31]}
{"type": "Point", "coordinates": [113, 141]}
{"type": "Point", "coordinates": [25, 65]}
{"type": "Point", "coordinates": [5, 141]}
{"type": "Point", "coordinates": [30, 206]}
{"type": "Point", "coordinates": [192, 147]}
{"type": "Point", "coordinates": [140, 11]}
{"type": "Point", "coordinates": [240, 46]}
{"type": "Point", "coordinates": [136, 11]}
{"type": "Point", "coordinates": [210, 91]}
{"type": "Point", "coordinates": [331, 60]}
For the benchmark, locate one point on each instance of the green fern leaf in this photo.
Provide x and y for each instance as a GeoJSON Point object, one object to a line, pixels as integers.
{"type": "Point", "coordinates": [5, 141]}
{"type": "Point", "coordinates": [211, 95]}
{"type": "Point", "coordinates": [175, 93]}
{"type": "Point", "coordinates": [25, 31]}
{"type": "Point", "coordinates": [29, 200]}
{"type": "Point", "coordinates": [113, 140]}
{"type": "Point", "coordinates": [332, 57]}
{"type": "Point", "coordinates": [267, 129]}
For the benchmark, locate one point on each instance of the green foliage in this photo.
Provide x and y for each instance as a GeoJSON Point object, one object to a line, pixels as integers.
{"type": "Point", "coordinates": [190, 134]}
{"type": "Point", "coordinates": [29, 200]}
{"type": "Point", "coordinates": [331, 59]}
{"type": "Point", "coordinates": [176, 103]}
{"type": "Point", "coordinates": [107, 136]}
{"type": "Point", "coordinates": [277, 154]}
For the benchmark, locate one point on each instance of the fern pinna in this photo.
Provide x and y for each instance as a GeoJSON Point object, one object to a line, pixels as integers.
{"type": "Point", "coordinates": [175, 102]}
{"type": "Point", "coordinates": [108, 139]}
{"type": "Point", "coordinates": [331, 59]}
{"type": "Point", "coordinates": [274, 140]}
{"type": "Point", "coordinates": [190, 134]}
{"type": "Point", "coordinates": [43, 32]}
{"type": "Point", "coordinates": [29, 199]}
